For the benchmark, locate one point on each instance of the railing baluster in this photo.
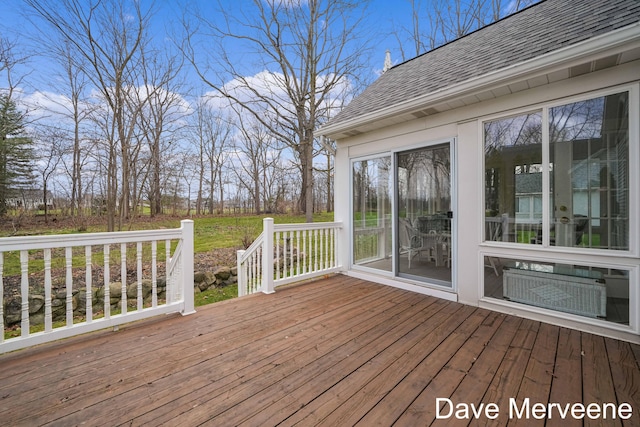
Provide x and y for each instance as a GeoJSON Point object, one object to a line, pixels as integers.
{"type": "Point", "coordinates": [24, 289]}
{"type": "Point", "coordinates": [333, 247]}
{"type": "Point", "coordinates": [305, 262]}
{"type": "Point", "coordinates": [107, 280]}
{"type": "Point", "coordinates": [278, 237]}
{"type": "Point", "coordinates": [252, 269]}
{"type": "Point", "coordinates": [323, 255]}
{"type": "Point", "coordinates": [298, 252]}
{"type": "Point", "coordinates": [123, 277]}
{"type": "Point", "coordinates": [285, 258]}
{"type": "Point", "coordinates": [255, 271]}
{"type": "Point", "coordinates": [329, 247]}
{"type": "Point", "coordinates": [154, 274]}
{"type": "Point", "coordinates": [169, 285]}
{"type": "Point", "coordinates": [139, 274]}
{"type": "Point", "coordinates": [290, 239]}
{"type": "Point", "coordinates": [89, 282]}
{"type": "Point", "coordinates": [315, 251]}
{"type": "Point", "coordinates": [68, 255]}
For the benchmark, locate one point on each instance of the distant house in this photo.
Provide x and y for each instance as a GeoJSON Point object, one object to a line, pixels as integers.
{"type": "Point", "coordinates": [502, 170]}
{"type": "Point", "coordinates": [29, 199]}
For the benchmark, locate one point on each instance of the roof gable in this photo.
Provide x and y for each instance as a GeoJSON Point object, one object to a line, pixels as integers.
{"type": "Point", "coordinates": [533, 32]}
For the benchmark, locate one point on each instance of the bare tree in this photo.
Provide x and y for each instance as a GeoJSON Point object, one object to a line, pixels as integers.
{"type": "Point", "coordinates": [209, 134]}
{"type": "Point", "coordinates": [10, 59]}
{"type": "Point", "coordinates": [436, 22]}
{"type": "Point", "coordinates": [51, 149]}
{"type": "Point", "coordinates": [303, 52]}
{"type": "Point", "coordinates": [74, 106]}
{"type": "Point", "coordinates": [259, 159]}
{"type": "Point", "coordinates": [159, 94]}
{"type": "Point", "coordinates": [108, 35]}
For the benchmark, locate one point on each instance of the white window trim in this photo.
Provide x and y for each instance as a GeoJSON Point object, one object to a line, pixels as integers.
{"type": "Point", "coordinates": [634, 174]}
{"type": "Point", "coordinates": [393, 274]}
{"type": "Point", "coordinates": [352, 264]}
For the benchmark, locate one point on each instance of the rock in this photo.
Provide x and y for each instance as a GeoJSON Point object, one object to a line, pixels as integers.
{"type": "Point", "coordinates": [199, 277]}
{"type": "Point", "coordinates": [115, 290]}
{"type": "Point", "coordinates": [223, 273]}
{"type": "Point", "coordinates": [82, 301]}
{"type": "Point", "coordinates": [36, 302]}
{"type": "Point", "coordinates": [36, 319]}
{"type": "Point", "coordinates": [132, 291]}
{"type": "Point", "coordinates": [12, 311]}
{"type": "Point", "coordinates": [147, 287]}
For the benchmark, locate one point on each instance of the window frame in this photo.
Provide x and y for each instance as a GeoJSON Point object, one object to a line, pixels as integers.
{"type": "Point", "coordinates": [352, 261]}
{"type": "Point", "coordinates": [634, 174]}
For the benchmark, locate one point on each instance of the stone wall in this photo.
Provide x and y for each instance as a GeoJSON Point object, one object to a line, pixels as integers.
{"type": "Point", "coordinates": [224, 276]}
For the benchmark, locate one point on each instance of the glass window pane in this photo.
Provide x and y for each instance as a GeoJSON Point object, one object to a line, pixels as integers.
{"type": "Point", "coordinates": [589, 156]}
{"type": "Point", "coordinates": [513, 173]}
{"type": "Point", "coordinates": [372, 232]}
{"type": "Point", "coordinates": [424, 213]}
{"type": "Point", "coordinates": [588, 291]}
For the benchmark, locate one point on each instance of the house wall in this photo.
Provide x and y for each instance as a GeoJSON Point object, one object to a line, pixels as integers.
{"type": "Point", "coordinates": [465, 124]}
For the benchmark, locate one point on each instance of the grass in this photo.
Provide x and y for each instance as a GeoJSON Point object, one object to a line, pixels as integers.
{"type": "Point", "coordinates": [211, 232]}
{"type": "Point", "coordinates": [215, 294]}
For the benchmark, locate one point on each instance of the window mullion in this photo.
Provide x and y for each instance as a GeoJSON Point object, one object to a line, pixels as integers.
{"type": "Point", "coordinates": [546, 180]}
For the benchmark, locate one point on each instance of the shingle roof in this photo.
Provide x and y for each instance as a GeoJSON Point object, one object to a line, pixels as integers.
{"type": "Point", "coordinates": [532, 32]}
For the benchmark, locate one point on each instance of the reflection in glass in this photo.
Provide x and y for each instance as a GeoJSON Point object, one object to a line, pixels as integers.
{"type": "Point", "coordinates": [589, 152]}
{"type": "Point", "coordinates": [588, 176]}
{"type": "Point", "coordinates": [513, 178]}
{"type": "Point", "coordinates": [587, 291]}
{"type": "Point", "coordinates": [424, 213]}
{"type": "Point", "coordinates": [372, 232]}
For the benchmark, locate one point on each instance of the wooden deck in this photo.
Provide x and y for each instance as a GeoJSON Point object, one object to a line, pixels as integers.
{"type": "Point", "coordinates": [336, 352]}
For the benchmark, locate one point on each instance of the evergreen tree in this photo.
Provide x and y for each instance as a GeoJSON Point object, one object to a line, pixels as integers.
{"type": "Point", "coordinates": [16, 156]}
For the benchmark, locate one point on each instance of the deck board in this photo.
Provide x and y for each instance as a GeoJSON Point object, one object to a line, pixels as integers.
{"type": "Point", "coordinates": [566, 386]}
{"type": "Point", "coordinates": [336, 351]}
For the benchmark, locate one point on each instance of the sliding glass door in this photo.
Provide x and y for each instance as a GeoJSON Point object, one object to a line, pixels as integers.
{"type": "Point", "coordinates": [402, 214]}
{"type": "Point", "coordinates": [371, 214]}
{"type": "Point", "coordinates": [424, 214]}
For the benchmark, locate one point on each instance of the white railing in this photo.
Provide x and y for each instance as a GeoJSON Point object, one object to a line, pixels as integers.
{"type": "Point", "coordinates": [287, 253]}
{"type": "Point", "coordinates": [49, 270]}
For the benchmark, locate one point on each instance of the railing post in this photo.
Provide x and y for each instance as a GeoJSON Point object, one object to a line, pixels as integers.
{"type": "Point", "coordinates": [267, 256]}
{"type": "Point", "coordinates": [187, 267]}
{"type": "Point", "coordinates": [242, 285]}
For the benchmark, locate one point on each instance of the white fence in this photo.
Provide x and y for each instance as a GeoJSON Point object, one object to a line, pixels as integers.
{"type": "Point", "coordinates": [286, 253]}
{"type": "Point", "coordinates": [50, 267]}
{"type": "Point", "coordinates": [506, 229]}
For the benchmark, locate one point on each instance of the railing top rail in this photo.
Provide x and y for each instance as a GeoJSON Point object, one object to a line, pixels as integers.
{"type": "Point", "coordinates": [63, 240]}
{"type": "Point", "coordinates": [306, 226]}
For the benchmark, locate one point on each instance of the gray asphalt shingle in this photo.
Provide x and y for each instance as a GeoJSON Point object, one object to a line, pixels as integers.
{"type": "Point", "coordinates": [532, 32]}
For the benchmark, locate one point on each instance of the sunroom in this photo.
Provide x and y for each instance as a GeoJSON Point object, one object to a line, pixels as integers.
{"type": "Point", "coordinates": [503, 172]}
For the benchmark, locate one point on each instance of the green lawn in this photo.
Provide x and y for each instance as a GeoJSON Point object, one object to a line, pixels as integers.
{"type": "Point", "coordinates": [212, 232]}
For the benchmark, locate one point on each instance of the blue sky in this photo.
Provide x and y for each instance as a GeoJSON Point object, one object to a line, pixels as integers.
{"type": "Point", "coordinates": [383, 22]}
{"type": "Point", "coordinates": [383, 17]}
